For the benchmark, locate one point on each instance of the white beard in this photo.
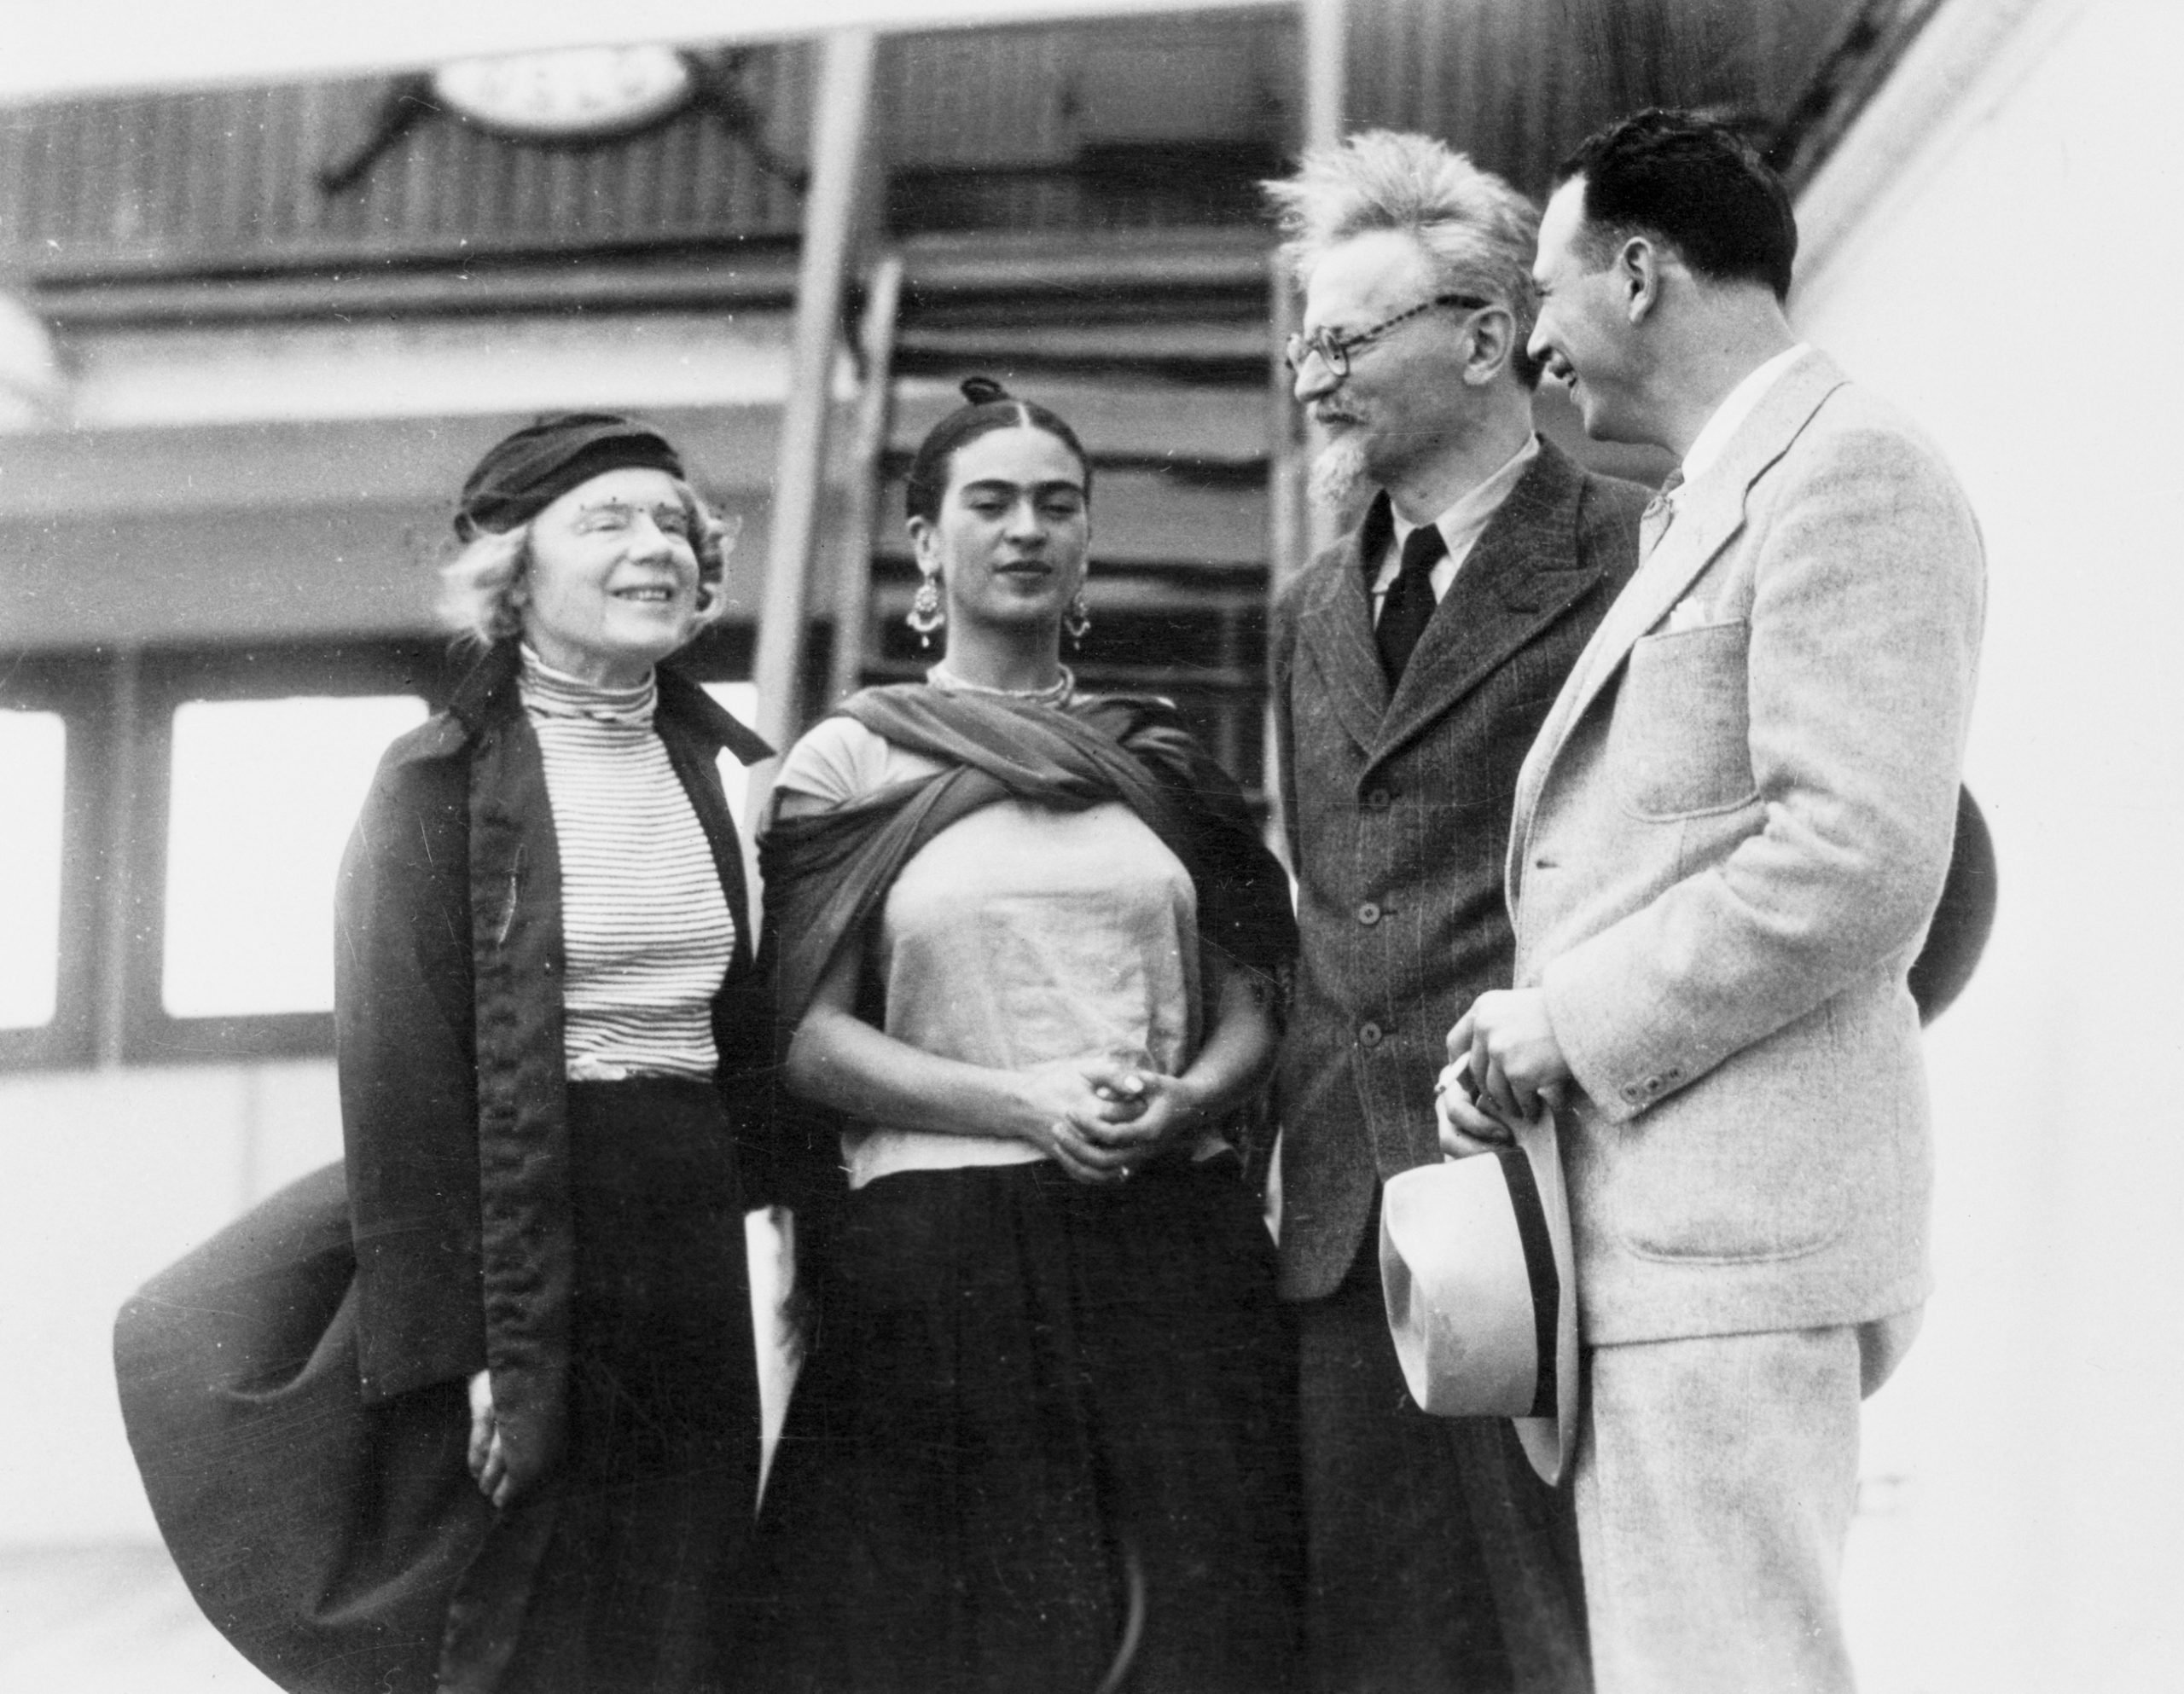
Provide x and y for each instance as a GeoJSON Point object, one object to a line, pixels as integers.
{"type": "Point", "coordinates": [1339, 482]}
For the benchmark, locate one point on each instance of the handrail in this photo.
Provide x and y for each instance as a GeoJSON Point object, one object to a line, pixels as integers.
{"type": "Point", "coordinates": [867, 452]}
{"type": "Point", "coordinates": [840, 123]}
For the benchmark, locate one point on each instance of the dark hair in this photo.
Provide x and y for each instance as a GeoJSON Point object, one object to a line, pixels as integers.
{"type": "Point", "coordinates": [1695, 183]}
{"type": "Point", "coordinates": [988, 407]}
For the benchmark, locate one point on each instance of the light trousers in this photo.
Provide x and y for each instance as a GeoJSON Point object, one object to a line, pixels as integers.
{"type": "Point", "coordinates": [1716, 1477]}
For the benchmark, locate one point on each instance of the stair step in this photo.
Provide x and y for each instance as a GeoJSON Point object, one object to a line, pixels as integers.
{"type": "Point", "coordinates": [1182, 591]}
{"type": "Point", "coordinates": [1141, 516]}
{"type": "Point", "coordinates": [1223, 349]}
{"type": "Point", "coordinates": [1157, 351]}
{"type": "Point", "coordinates": [1163, 264]}
{"type": "Point", "coordinates": [1120, 423]}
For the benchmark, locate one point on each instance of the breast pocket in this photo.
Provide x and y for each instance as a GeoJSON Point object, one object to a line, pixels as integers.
{"type": "Point", "coordinates": [1679, 740]}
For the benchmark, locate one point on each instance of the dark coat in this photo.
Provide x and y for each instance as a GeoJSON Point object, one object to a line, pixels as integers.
{"type": "Point", "coordinates": [293, 1389]}
{"type": "Point", "coordinates": [1397, 816]}
{"type": "Point", "coordinates": [447, 975]}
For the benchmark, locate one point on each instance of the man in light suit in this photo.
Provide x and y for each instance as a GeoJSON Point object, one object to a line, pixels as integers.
{"type": "Point", "coordinates": [1412, 664]}
{"type": "Point", "coordinates": [1727, 844]}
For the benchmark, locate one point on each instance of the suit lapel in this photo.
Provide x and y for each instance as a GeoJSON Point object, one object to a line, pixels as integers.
{"type": "Point", "coordinates": [1709, 513]}
{"type": "Point", "coordinates": [1334, 627]}
{"type": "Point", "coordinates": [1706, 517]}
{"type": "Point", "coordinates": [1520, 575]}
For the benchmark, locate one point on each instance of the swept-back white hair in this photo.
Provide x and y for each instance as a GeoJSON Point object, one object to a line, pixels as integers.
{"type": "Point", "coordinates": [1477, 231]}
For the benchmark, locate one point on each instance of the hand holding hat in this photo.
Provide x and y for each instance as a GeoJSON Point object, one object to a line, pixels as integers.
{"type": "Point", "coordinates": [1515, 1060]}
{"type": "Point", "coordinates": [1477, 1265]}
{"type": "Point", "coordinates": [1480, 1281]}
{"type": "Point", "coordinates": [1469, 1125]}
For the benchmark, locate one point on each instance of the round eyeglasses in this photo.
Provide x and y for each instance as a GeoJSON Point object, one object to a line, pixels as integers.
{"type": "Point", "coordinates": [1334, 350]}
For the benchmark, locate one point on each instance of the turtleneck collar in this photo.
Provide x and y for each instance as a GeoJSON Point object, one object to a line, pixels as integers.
{"type": "Point", "coordinates": [549, 692]}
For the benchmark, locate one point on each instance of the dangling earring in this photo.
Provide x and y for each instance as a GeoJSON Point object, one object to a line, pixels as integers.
{"type": "Point", "coordinates": [1077, 620]}
{"type": "Point", "coordinates": [926, 614]}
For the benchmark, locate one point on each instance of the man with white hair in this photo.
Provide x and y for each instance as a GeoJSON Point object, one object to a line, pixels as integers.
{"type": "Point", "coordinates": [1413, 662]}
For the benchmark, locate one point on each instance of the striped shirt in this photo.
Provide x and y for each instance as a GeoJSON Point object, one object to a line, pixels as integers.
{"type": "Point", "coordinates": [646, 934]}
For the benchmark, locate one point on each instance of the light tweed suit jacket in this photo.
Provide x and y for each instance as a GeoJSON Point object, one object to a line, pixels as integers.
{"type": "Point", "coordinates": [1727, 842]}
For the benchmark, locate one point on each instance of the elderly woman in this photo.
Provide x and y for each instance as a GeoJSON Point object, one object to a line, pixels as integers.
{"type": "Point", "coordinates": [1027, 939]}
{"type": "Point", "coordinates": [517, 1447]}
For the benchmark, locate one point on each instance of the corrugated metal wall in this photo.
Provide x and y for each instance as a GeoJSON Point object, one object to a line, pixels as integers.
{"type": "Point", "coordinates": [1517, 84]}
{"type": "Point", "coordinates": [1010, 123]}
{"type": "Point", "coordinates": [225, 178]}
{"type": "Point", "coordinates": [1129, 123]}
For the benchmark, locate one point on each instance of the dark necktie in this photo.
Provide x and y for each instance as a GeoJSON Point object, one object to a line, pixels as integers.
{"type": "Point", "coordinates": [1408, 607]}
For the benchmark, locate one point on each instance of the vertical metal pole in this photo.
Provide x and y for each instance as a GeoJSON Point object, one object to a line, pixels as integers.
{"type": "Point", "coordinates": [838, 123]}
{"type": "Point", "coordinates": [867, 454]}
{"type": "Point", "coordinates": [1289, 535]}
{"type": "Point", "coordinates": [1296, 529]}
{"type": "Point", "coordinates": [1326, 98]}
{"type": "Point", "coordinates": [1300, 530]}
{"type": "Point", "coordinates": [117, 914]}
{"type": "Point", "coordinates": [1327, 70]}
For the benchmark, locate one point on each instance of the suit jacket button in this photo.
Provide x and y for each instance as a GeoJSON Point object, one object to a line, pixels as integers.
{"type": "Point", "coordinates": [1378, 799]}
{"type": "Point", "coordinates": [1368, 914]}
{"type": "Point", "coordinates": [1370, 1034]}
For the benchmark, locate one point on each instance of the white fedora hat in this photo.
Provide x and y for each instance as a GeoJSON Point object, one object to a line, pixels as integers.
{"type": "Point", "coordinates": [1482, 1291]}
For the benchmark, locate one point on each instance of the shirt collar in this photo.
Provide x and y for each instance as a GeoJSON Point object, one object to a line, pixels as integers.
{"type": "Point", "coordinates": [1462, 525]}
{"type": "Point", "coordinates": [1713, 440]}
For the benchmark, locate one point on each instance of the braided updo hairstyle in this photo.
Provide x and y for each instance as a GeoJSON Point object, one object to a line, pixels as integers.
{"type": "Point", "coordinates": [987, 407]}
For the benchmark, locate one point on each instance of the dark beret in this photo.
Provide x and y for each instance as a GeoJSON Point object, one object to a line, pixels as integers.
{"type": "Point", "coordinates": [521, 476]}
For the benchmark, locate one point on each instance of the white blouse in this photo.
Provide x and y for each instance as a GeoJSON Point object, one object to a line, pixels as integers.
{"type": "Point", "coordinates": [1020, 934]}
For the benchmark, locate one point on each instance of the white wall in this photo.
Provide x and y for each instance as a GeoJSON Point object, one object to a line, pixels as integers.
{"type": "Point", "coordinates": [2011, 276]}
{"type": "Point", "coordinates": [105, 1178]}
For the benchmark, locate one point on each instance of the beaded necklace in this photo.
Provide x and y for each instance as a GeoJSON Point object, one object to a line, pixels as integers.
{"type": "Point", "coordinates": [1053, 694]}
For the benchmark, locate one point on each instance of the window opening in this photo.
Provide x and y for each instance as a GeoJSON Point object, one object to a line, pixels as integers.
{"type": "Point", "coordinates": [264, 793]}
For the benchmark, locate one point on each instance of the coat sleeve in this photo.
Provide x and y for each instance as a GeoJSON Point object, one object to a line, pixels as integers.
{"type": "Point", "coordinates": [405, 1023]}
{"type": "Point", "coordinates": [1867, 605]}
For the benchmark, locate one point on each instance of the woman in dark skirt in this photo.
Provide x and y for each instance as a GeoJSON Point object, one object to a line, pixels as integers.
{"type": "Point", "coordinates": [1028, 941]}
{"type": "Point", "coordinates": [480, 1411]}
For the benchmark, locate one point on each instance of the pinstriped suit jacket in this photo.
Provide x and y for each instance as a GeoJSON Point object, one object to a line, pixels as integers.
{"type": "Point", "coordinates": [1397, 816]}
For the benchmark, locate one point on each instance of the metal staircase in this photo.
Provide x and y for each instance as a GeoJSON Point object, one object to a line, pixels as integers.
{"type": "Point", "coordinates": [1157, 352]}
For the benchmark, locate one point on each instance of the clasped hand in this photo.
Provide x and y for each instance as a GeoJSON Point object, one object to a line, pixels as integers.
{"type": "Point", "coordinates": [1505, 1066]}
{"type": "Point", "coordinates": [488, 1455]}
{"type": "Point", "coordinates": [1100, 1118]}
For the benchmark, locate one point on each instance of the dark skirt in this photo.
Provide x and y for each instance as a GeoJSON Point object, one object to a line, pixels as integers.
{"type": "Point", "coordinates": [1044, 1435]}
{"type": "Point", "coordinates": [344, 1547]}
